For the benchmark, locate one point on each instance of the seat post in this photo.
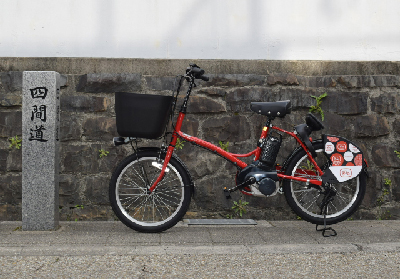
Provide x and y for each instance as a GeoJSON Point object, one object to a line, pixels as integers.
{"type": "Point", "coordinates": [269, 121]}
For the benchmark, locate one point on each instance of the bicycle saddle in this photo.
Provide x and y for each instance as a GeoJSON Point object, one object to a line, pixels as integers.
{"type": "Point", "coordinates": [272, 109]}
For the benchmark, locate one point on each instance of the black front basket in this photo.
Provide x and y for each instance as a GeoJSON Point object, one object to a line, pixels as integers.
{"type": "Point", "coordinates": [142, 115]}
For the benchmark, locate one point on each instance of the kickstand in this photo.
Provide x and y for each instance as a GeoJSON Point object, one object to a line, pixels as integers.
{"type": "Point", "coordinates": [325, 229]}
{"type": "Point", "coordinates": [324, 209]}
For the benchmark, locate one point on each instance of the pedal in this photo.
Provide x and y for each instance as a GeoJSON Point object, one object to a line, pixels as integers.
{"type": "Point", "coordinates": [227, 194]}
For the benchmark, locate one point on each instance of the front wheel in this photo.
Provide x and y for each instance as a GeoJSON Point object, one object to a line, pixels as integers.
{"type": "Point", "coordinates": [141, 210]}
{"type": "Point", "coordinates": [305, 200]}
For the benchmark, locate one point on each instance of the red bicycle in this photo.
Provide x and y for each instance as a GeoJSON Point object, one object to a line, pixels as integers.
{"type": "Point", "coordinates": [324, 181]}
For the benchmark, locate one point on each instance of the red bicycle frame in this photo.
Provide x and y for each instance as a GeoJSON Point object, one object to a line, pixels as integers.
{"type": "Point", "coordinates": [230, 156]}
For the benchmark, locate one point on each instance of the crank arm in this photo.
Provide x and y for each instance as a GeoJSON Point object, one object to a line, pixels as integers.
{"type": "Point", "coordinates": [228, 192]}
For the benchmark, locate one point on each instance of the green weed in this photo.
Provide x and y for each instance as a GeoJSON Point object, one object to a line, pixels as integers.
{"type": "Point", "coordinates": [103, 153]}
{"type": "Point", "coordinates": [240, 207]}
{"type": "Point", "coordinates": [15, 142]}
{"type": "Point", "coordinates": [179, 143]}
{"type": "Point", "coordinates": [317, 107]}
{"type": "Point", "coordinates": [224, 146]}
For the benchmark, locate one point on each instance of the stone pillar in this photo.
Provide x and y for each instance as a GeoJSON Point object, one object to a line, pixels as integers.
{"type": "Point", "coordinates": [40, 149]}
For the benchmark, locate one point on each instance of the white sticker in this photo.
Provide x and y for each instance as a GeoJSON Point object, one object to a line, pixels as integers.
{"type": "Point", "coordinates": [348, 156]}
{"type": "Point", "coordinates": [329, 147]}
{"type": "Point", "coordinates": [353, 148]}
{"type": "Point", "coordinates": [344, 173]}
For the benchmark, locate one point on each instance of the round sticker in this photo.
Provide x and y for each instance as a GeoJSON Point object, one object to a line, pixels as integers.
{"type": "Point", "coordinates": [348, 156]}
{"type": "Point", "coordinates": [353, 148]}
{"type": "Point", "coordinates": [341, 146]}
{"type": "Point", "coordinates": [337, 160]}
{"type": "Point", "coordinates": [358, 160]}
{"type": "Point", "coordinates": [329, 147]}
{"type": "Point", "coordinates": [332, 139]}
{"type": "Point", "coordinates": [350, 164]}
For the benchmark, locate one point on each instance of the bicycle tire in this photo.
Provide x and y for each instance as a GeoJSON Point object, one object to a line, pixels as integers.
{"type": "Point", "coordinates": [305, 199]}
{"type": "Point", "coordinates": [135, 206]}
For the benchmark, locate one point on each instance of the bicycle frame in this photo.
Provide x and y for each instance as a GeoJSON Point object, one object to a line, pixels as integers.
{"type": "Point", "coordinates": [233, 158]}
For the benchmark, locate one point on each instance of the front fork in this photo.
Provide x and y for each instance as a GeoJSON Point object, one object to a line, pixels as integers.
{"type": "Point", "coordinates": [170, 151]}
{"type": "Point", "coordinates": [168, 156]}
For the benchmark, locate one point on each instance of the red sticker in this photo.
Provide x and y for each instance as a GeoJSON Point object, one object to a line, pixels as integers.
{"type": "Point", "coordinates": [333, 139]}
{"type": "Point", "coordinates": [341, 146]}
{"type": "Point", "coordinates": [350, 164]}
{"type": "Point", "coordinates": [337, 160]}
{"type": "Point", "coordinates": [358, 160]}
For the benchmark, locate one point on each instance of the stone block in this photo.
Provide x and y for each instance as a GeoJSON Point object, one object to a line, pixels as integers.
{"type": "Point", "coordinates": [3, 159]}
{"type": "Point", "coordinates": [190, 126]}
{"type": "Point", "coordinates": [70, 127]}
{"type": "Point", "coordinates": [99, 128]}
{"type": "Point", "coordinates": [386, 81]}
{"type": "Point", "coordinates": [161, 83]}
{"type": "Point", "coordinates": [396, 185]}
{"type": "Point", "coordinates": [285, 79]}
{"type": "Point", "coordinates": [11, 81]}
{"type": "Point", "coordinates": [368, 81]}
{"type": "Point", "coordinates": [337, 125]}
{"type": "Point", "coordinates": [96, 190]}
{"type": "Point", "coordinates": [239, 99]}
{"type": "Point", "coordinates": [8, 100]}
{"type": "Point", "coordinates": [317, 81]}
{"type": "Point", "coordinates": [385, 103]}
{"type": "Point", "coordinates": [10, 123]}
{"type": "Point", "coordinates": [212, 91]}
{"type": "Point", "coordinates": [299, 98]}
{"type": "Point", "coordinates": [10, 189]}
{"type": "Point", "coordinates": [109, 83]}
{"type": "Point", "coordinates": [351, 81]}
{"type": "Point", "coordinates": [70, 188]}
{"type": "Point", "coordinates": [205, 198]}
{"type": "Point", "coordinates": [85, 159]}
{"type": "Point", "coordinates": [396, 126]}
{"type": "Point", "coordinates": [79, 159]}
{"type": "Point", "coordinates": [371, 126]}
{"type": "Point", "coordinates": [14, 161]}
{"type": "Point", "coordinates": [232, 129]}
{"type": "Point", "coordinates": [346, 103]}
{"type": "Point", "coordinates": [384, 156]}
{"type": "Point", "coordinates": [10, 212]}
{"type": "Point", "coordinates": [201, 104]}
{"type": "Point", "coordinates": [84, 103]}
{"type": "Point", "coordinates": [234, 80]}
{"type": "Point", "coordinates": [107, 163]}
{"type": "Point", "coordinates": [199, 161]}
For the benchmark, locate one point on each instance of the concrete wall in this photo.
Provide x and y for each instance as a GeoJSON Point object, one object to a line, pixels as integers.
{"type": "Point", "coordinates": [363, 104]}
{"type": "Point", "coordinates": [362, 30]}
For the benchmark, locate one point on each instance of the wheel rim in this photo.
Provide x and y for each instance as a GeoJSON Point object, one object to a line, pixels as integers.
{"type": "Point", "coordinates": [137, 204]}
{"type": "Point", "coordinates": [309, 198]}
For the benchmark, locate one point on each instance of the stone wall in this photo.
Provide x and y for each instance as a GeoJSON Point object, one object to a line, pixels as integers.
{"type": "Point", "coordinates": [363, 104]}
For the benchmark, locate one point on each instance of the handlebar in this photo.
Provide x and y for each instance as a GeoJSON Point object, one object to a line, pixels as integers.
{"type": "Point", "coordinates": [196, 72]}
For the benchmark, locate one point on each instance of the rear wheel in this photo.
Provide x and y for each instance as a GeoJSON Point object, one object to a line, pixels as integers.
{"type": "Point", "coordinates": [141, 210]}
{"type": "Point", "coordinates": [305, 200]}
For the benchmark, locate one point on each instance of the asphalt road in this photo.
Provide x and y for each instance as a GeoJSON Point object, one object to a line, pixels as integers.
{"type": "Point", "coordinates": [284, 249]}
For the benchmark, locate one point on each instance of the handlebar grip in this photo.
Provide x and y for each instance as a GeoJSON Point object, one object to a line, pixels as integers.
{"type": "Point", "coordinates": [197, 71]}
{"type": "Point", "coordinates": [204, 78]}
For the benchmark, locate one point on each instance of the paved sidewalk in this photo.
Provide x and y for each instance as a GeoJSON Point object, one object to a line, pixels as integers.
{"type": "Point", "coordinates": [102, 238]}
{"type": "Point", "coordinates": [284, 249]}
